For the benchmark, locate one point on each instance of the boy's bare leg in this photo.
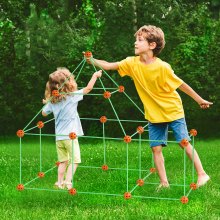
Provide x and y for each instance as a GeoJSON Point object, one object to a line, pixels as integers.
{"type": "Point", "coordinates": [203, 178]}
{"type": "Point", "coordinates": [159, 162]}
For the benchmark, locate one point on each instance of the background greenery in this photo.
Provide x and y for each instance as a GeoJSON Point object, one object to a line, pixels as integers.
{"type": "Point", "coordinates": [38, 36]}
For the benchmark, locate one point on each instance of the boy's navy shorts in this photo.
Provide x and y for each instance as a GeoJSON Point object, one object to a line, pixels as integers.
{"type": "Point", "coordinates": [158, 132]}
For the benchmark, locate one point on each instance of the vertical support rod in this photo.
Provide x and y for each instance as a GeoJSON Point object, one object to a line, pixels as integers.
{"type": "Point", "coordinates": [20, 162]}
{"type": "Point", "coordinates": [139, 156]}
{"type": "Point", "coordinates": [40, 151]}
{"type": "Point", "coordinates": [104, 145]}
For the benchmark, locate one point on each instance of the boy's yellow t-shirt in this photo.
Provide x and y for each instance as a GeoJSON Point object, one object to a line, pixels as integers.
{"type": "Point", "coordinates": [156, 85]}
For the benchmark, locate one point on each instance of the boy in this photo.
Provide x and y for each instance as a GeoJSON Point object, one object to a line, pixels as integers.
{"type": "Point", "coordinates": [156, 85]}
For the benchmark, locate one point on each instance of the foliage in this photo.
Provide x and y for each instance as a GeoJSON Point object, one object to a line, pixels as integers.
{"type": "Point", "coordinates": [38, 36]}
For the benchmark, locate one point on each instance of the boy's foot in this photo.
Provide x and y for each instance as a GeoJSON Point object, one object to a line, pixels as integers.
{"type": "Point", "coordinates": [162, 186]}
{"type": "Point", "coordinates": [202, 180]}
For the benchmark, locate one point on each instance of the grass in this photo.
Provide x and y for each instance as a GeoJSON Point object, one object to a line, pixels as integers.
{"type": "Point", "coordinates": [204, 203]}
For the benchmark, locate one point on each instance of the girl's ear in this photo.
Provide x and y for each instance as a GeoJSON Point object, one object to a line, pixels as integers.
{"type": "Point", "coordinates": [152, 45]}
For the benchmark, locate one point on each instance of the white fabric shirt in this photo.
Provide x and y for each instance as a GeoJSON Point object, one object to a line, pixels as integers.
{"type": "Point", "coordinates": [66, 116]}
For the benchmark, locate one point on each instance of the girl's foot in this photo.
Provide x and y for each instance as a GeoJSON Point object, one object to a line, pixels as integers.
{"type": "Point", "coordinates": [58, 185]}
{"type": "Point", "coordinates": [202, 180]}
{"type": "Point", "coordinates": [68, 185]}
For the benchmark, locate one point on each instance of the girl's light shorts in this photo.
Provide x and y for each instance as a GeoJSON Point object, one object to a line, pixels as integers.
{"type": "Point", "coordinates": [64, 150]}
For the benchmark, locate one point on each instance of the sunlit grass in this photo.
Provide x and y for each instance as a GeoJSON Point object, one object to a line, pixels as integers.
{"type": "Point", "coordinates": [90, 178]}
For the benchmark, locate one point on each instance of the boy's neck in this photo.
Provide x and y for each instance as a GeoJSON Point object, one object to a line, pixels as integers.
{"type": "Point", "coordinates": [147, 58]}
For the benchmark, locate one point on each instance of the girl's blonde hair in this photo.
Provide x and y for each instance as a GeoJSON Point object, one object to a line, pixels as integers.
{"type": "Point", "coordinates": [153, 34]}
{"type": "Point", "coordinates": [61, 80]}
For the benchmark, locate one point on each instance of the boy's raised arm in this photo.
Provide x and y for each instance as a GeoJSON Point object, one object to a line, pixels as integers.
{"type": "Point", "coordinates": [189, 91]}
{"type": "Point", "coordinates": [105, 65]}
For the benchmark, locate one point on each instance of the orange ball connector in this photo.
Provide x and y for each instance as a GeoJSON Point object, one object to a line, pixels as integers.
{"type": "Point", "coordinates": [121, 88]}
{"type": "Point", "coordinates": [41, 174]}
{"type": "Point", "coordinates": [58, 163]}
{"type": "Point", "coordinates": [140, 182]}
{"type": "Point", "coordinates": [103, 119]}
{"type": "Point", "coordinates": [107, 95]}
{"type": "Point", "coordinates": [193, 132]}
{"type": "Point", "coordinates": [193, 186]}
{"type": "Point", "coordinates": [127, 139]}
{"type": "Point", "coordinates": [72, 135]}
{"type": "Point", "coordinates": [20, 133]}
{"type": "Point", "coordinates": [20, 187]}
{"type": "Point", "coordinates": [184, 199]}
{"type": "Point", "coordinates": [55, 93]}
{"type": "Point", "coordinates": [184, 142]}
{"type": "Point", "coordinates": [127, 195]}
{"type": "Point", "coordinates": [88, 54]}
{"type": "Point", "coordinates": [40, 124]}
{"type": "Point", "coordinates": [72, 191]}
{"type": "Point", "coordinates": [153, 170]}
{"type": "Point", "coordinates": [140, 129]}
{"type": "Point", "coordinates": [104, 167]}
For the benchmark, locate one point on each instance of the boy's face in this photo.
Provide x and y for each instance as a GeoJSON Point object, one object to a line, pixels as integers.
{"type": "Point", "coordinates": [141, 45]}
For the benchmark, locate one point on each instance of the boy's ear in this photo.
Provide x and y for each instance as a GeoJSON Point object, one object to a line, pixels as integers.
{"type": "Point", "coordinates": [152, 45]}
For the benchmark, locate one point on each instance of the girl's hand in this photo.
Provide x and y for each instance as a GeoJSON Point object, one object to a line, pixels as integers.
{"type": "Point", "coordinates": [98, 74]}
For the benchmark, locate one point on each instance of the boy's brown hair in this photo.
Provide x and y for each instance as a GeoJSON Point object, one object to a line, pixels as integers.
{"type": "Point", "coordinates": [61, 80]}
{"type": "Point", "coordinates": [152, 34]}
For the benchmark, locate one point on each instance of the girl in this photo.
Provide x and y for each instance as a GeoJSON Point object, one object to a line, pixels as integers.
{"type": "Point", "coordinates": [64, 108]}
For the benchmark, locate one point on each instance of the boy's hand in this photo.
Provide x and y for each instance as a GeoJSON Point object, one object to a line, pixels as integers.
{"type": "Point", "coordinates": [88, 59]}
{"type": "Point", "coordinates": [98, 74]}
{"type": "Point", "coordinates": [205, 104]}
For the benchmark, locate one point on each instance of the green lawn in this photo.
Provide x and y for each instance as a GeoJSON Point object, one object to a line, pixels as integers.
{"type": "Point", "coordinates": [94, 185]}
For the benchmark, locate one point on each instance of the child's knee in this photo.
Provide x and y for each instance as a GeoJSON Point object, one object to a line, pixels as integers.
{"type": "Point", "coordinates": [156, 149]}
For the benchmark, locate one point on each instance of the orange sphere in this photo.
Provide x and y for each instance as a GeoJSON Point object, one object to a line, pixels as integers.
{"type": "Point", "coordinates": [127, 195]}
{"type": "Point", "coordinates": [107, 95]}
{"type": "Point", "coordinates": [121, 88]}
{"type": "Point", "coordinates": [20, 187]}
{"type": "Point", "coordinates": [55, 93]}
{"type": "Point", "coordinates": [103, 119]}
{"type": "Point", "coordinates": [104, 167]}
{"type": "Point", "coordinates": [127, 139]}
{"type": "Point", "coordinates": [72, 191]}
{"type": "Point", "coordinates": [193, 132]}
{"type": "Point", "coordinates": [88, 54]}
{"type": "Point", "coordinates": [184, 142]}
{"type": "Point", "coordinates": [153, 170]}
{"type": "Point", "coordinates": [40, 124]}
{"type": "Point", "coordinates": [20, 133]}
{"type": "Point", "coordinates": [57, 163]}
{"type": "Point", "coordinates": [140, 129]}
{"type": "Point", "coordinates": [41, 174]}
{"type": "Point", "coordinates": [72, 135]}
{"type": "Point", "coordinates": [193, 186]}
{"type": "Point", "coordinates": [140, 182]}
{"type": "Point", "coordinates": [184, 199]}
